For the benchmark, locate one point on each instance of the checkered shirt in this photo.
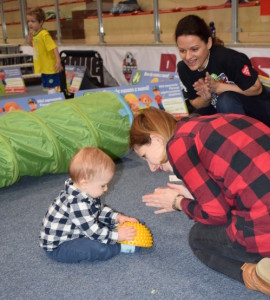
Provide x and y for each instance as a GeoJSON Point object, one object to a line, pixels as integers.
{"type": "Point", "coordinates": [224, 160]}
{"type": "Point", "coordinates": [74, 214]}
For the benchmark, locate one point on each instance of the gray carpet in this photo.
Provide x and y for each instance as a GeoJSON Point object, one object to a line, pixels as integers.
{"type": "Point", "coordinates": [167, 271]}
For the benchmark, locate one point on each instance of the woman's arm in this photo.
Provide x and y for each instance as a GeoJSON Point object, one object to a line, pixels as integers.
{"type": "Point", "coordinates": [210, 85]}
{"type": "Point", "coordinates": [220, 87]}
{"type": "Point", "coordinates": [210, 206]}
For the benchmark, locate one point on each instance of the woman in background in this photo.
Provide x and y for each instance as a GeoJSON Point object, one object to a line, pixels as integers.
{"type": "Point", "coordinates": [217, 79]}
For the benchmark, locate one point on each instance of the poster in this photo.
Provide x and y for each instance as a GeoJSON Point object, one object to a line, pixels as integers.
{"type": "Point", "coordinates": [30, 103]}
{"type": "Point", "coordinates": [167, 89]}
{"type": "Point", "coordinates": [74, 77]}
{"type": "Point", "coordinates": [163, 94]}
{"type": "Point", "coordinates": [155, 77]}
{"type": "Point", "coordinates": [11, 81]}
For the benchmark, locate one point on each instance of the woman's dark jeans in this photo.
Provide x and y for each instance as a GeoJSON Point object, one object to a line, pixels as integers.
{"type": "Point", "coordinates": [213, 247]}
{"type": "Point", "coordinates": [257, 107]}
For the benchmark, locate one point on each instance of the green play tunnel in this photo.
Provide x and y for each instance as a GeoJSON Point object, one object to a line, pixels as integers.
{"type": "Point", "coordinates": [44, 141]}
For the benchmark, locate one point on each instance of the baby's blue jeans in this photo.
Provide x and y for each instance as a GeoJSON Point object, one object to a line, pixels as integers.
{"type": "Point", "coordinates": [81, 249]}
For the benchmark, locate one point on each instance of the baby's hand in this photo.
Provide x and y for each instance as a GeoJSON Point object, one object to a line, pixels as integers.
{"type": "Point", "coordinates": [121, 219]}
{"type": "Point", "coordinates": [126, 233]}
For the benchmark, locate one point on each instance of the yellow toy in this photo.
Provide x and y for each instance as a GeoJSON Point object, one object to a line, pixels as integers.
{"type": "Point", "coordinates": [143, 238]}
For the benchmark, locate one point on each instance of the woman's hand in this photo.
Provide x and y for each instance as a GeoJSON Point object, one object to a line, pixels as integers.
{"type": "Point", "coordinates": [181, 189]}
{"type": "Point", "coordinates": [212, 83]}
{"type": "Point", "coordinates": [122, 219]}
{"type": "Point", "coordinates": [161, 198]}
{"type": "Point", "coordinates": [202, 89]}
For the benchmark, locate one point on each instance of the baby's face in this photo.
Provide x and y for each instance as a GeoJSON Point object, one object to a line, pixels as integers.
{"type": "Point", "coordinates": [98, 185]}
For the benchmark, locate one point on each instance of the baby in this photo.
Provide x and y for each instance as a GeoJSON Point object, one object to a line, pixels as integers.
{"type": "Point", "coordinates": [77, 226]}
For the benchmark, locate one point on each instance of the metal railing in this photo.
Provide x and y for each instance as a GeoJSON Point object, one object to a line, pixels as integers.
{"type": "Point", "coordinates": [4, 28]}
{"type": "Point", "coordinates": [101, 32]}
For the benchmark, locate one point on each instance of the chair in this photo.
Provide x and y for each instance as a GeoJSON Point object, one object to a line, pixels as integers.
{"type": "Point", "coordinates": [91, 60]}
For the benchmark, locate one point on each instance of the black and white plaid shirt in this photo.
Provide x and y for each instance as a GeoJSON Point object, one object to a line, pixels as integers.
{"type": "Point", "coordinates": [74, 214]}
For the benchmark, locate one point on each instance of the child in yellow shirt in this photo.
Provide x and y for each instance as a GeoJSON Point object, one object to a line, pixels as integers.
{"type": "Point", "coordinates": [46, 57]}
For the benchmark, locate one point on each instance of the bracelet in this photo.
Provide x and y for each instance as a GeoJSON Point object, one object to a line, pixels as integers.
{"type": "Point", "coordinates": [174, 202]}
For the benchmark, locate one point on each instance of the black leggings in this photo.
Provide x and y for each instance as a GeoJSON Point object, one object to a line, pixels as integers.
{"type": "Point", "coordinates": [212, 247]}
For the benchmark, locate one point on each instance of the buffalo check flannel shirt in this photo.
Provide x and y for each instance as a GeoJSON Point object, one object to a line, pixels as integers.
{"type": "Point", "coordinates": [74, 214]}
{"type": "Point", "coordinates": [224, 160]}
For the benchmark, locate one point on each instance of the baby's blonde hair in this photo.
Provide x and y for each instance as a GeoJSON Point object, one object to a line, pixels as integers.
{"type": "Point", "coordinates": [89, 162]}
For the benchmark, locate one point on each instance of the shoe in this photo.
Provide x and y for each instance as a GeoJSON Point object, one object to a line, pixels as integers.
{"type": "Point", "coordinates": [263, 269]}
{"type": "Point", "coordinates": [252, 281]}
{"type": "Point", "coordinates": [52, 91]}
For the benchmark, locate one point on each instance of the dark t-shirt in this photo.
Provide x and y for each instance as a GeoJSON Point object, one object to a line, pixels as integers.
{"type": "Point", "coordinates": [224, 64]}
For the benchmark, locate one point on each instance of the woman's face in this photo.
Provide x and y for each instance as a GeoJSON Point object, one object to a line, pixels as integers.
{"type": "Point", "coordinates": [153, 153]}
{"type": "Point", "coordinates": [194, 51]}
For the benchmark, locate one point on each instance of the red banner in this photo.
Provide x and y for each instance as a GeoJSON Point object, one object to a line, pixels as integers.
{"type": "Point", "coordinates": [265, 7]}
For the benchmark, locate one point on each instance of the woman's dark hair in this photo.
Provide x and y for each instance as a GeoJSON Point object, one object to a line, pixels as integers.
{"type": "Point", "coordinates": [194, 25]}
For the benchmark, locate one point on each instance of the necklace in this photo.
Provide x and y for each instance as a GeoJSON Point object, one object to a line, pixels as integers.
{"type": "Point", "coordinates": [203, 68]}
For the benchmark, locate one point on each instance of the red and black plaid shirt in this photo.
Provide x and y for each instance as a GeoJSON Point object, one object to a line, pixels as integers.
{"type": "Point", "coordinates": [224, 160]}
